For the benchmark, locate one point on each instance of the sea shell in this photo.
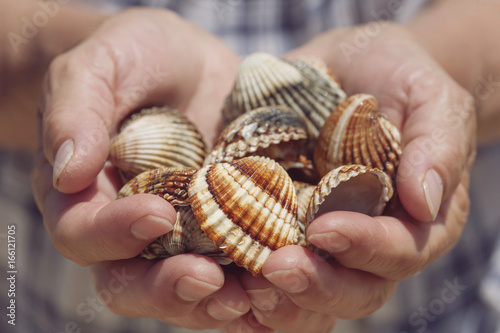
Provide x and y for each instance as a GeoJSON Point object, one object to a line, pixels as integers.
{"type": "Point", "coordinates": [304, 64]}
{"type": "Point", "coordinates": [357, 133]}
{"type": "Point", "coordinates": [169, 183]}
{"type": "Point", "coordinates": [304, 192]}
{"type": "Point", "coordinates": [248, 207]}
{"type": "Point", "coordinates": [154, 138]}
{"type": "Point", "coordinates": [264, 80]}
{"type": "Point", "coordinates": [276, 132]}
{"type": "Point", "coordinates": [355, 188]}
{"type": "Point", "coordinates": [187, 236]}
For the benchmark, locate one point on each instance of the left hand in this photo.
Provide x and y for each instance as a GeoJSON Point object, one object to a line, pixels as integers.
{"type": "Point", "coordinates": [304, 292]}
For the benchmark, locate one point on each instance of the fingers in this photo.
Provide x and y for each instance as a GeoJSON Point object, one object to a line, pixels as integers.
{"type": "Point", "coordinates": [90, 89]}
{"type": "Point", "coordinates": [439, 145]}
{"type": "Point", "coordinates": [313, 283]}
{"type": "Point", "coordinates": [435, 115]}
{"type": "Point", "coordinates": [185, 290]}
{"type": "Point", "coordinates": [89, 226]}
{"type": "Point", "coordinates": [247, 323]}
{"type": "Point", "coordinates": [272, 308]}
{"type": "Point", "coordinates": [393, 248]}
{"type": "Point", "coordinates": [77, 115]}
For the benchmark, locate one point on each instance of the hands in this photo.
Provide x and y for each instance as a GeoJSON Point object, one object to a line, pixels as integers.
{"type": "Point", "coordinates": [146, 57]}
{"type": "Point", "coordinates": [137, 58]}
{"type": "Point", "coordinates": [437, 122]}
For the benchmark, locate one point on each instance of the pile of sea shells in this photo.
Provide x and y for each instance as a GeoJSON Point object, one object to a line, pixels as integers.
{"type": "Point", "coordinates": [293, 147]}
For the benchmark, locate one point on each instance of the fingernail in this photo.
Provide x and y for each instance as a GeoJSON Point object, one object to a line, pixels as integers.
{"type": "Point", "coordinates": [264, 299]}
{"type": "Point", "coordinates": [332, 242]}
{"type": "Point", "coordinates": [292, 280]}
{"type": "Point", "coordinates": [221, 311]}
{"type": "Point", "coordinates": [190, 289]}
{"type": "Point", "coordinates": [63, 156]}
{"type": "Point", "coordinates": [433, 190]}
{"type": "Point", "coordinates": [150, 227]}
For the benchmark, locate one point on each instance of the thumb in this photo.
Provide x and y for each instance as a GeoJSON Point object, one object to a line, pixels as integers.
{"type": "Point", "coordinates": [77, 113]}
{"type": "Point", "coordinates": [439, 136]}
{"type": "Point", "coordinates": [89, 89]}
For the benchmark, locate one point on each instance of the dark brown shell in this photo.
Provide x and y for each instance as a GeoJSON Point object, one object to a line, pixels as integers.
{"type": "Point", "coordinates": [169, 183]}
{"type": "Point", "coordinates": [276, 132]}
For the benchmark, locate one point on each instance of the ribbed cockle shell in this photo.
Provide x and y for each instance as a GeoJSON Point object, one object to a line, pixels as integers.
{"type": "Point", "coordinates": [354, 188]}
{"type": "Point", "coordinates": [304, 193]}
{"type": "Point", "coordinates": [154, 138]}
{"type": "Point", "coordinates": [264, 80]}
{"type": "Point", "coordinates": [247, 207]}
{"type": "Point", "coordinates": [276, 132]}
{"type": "Point", "coordinates": [169, 183]}
{"type": "Point", "coordinates": [357, 133]}
{"type": "Point", "coordinates": [187, 237]}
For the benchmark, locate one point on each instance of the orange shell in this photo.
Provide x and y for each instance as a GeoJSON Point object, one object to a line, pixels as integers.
{"type": "Point", "coordinates": [248, 207]}
{"type": "Point", "coordinates": [357, 133]}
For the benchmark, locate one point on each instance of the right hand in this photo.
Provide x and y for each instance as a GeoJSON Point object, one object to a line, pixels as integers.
{"type": "Point", "coordinates": [137, 58]}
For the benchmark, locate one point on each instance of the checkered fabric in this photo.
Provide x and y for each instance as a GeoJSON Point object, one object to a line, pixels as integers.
{"type": "Point", "coordinates": [460, 292]}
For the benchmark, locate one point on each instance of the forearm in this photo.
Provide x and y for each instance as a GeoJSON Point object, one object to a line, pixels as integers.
{"type": "Point", "coordinates": [32, 33]}
{"type": "Point", "coordinates": [463, 36]}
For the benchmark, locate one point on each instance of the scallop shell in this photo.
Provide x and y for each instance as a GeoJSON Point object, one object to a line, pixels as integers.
{"type": "Point", "coordinates": [247, 207]}
{"type": "Point", "coordinates": [357, 133]}
{"type": "Point", "coordinates": [154, 138]}
{"type": "Point", "coordinates": [276, 132]}
{"type": "Point", "coordinates": [264, 80]}
{"type": "Point", "coordinates": [187, 236]}
{"type": "Point", "coordinates": [355, 188]}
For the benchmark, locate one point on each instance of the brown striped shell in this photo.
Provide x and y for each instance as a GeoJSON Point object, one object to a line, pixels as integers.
{"type": "Point", "coordinates": [168, 183]}
{"type": "Point", "coordinates": [186, 237]}
{"type": "Point", "coordinates": [264, 80]}
{"type": "Point", "coordinates": [355, 188]}
{"type": "Point", "coordinates": [154, 138]}
{"type": "Point", "coordinates": [304, 193]}
{"type": "Point", "coordinates": [276, 132]}
{"type": "Point", "coordinates": [357, 133]}
{"type": "Point", "coordinates": [248, 207]}
{"type": "Point", "coordinates": [172, 185]}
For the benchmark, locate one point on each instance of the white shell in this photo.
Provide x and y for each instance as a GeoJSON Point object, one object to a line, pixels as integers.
{"type": "Point", "coordinates": [155, 138]}
{"type": "Point", "coordinates": [265, 80]}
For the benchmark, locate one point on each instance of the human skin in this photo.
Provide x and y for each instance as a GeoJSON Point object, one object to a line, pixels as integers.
{"type": "Point", "coordinates": [25, 58]}
{"type": "Point", "coordinates": [368, 269]}
{"type": "Point", "coordinates": [372, 253]}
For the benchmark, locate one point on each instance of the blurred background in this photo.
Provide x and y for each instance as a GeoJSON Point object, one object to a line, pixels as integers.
{"type": "Point", "coordinates": [55, 295]}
